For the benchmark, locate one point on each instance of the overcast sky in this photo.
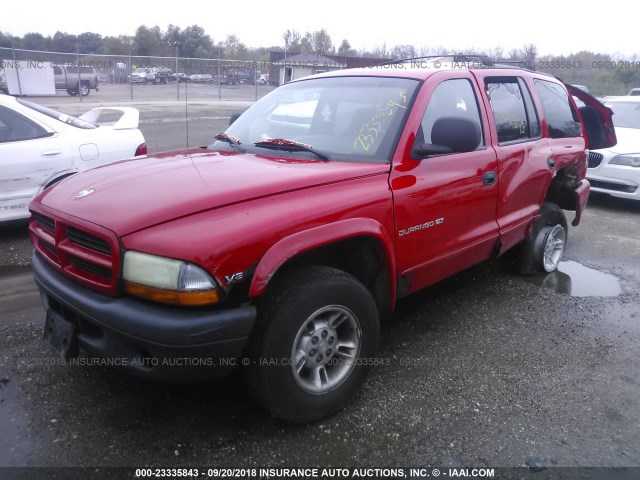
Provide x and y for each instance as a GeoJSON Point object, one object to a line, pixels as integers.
{"type": "Point", "coordinates": [554, 26]}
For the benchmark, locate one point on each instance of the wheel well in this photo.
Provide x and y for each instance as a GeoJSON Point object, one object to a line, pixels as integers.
{"type": "Point", "coordinates": [562, 188]}
{"type": "Point", "coordinates": [362, 257]}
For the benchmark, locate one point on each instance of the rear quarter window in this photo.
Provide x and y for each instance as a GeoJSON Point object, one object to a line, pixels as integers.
{"type": "Point", "coordinates": [516, 119]}
{"type": "Point", "coordinates": [562, 118]}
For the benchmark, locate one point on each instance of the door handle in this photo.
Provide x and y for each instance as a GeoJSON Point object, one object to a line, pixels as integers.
{"type": "Point", "coordinates": [51, 153]}
{"type": "Point", "coordinates": [489, 178]}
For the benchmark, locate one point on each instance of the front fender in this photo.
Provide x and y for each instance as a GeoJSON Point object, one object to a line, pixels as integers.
{"type": "Point", "coordinates": [288, 247]}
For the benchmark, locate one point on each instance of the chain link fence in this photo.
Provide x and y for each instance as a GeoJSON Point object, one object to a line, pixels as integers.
{"type": "Point", "coordinates": [123, 78]}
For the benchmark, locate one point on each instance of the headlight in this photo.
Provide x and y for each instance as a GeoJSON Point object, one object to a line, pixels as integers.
{"type": "Point", "coordinates": [630, 160]}
{"type": "Point", "coordinates": [167, 280]}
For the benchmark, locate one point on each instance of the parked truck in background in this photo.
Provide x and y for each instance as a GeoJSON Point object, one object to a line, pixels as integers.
{"type": "Point", "coordinates": [151, 75]}
{"type": "Point", "coordinates": [68, 78]}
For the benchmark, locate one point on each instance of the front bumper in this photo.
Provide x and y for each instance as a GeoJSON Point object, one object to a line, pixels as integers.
{"type": "Point", "coordinates": [152, 341]}
{"type": "Point", "coordinates": [616, 180]}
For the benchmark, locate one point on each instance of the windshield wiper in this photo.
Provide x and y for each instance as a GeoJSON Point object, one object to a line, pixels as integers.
{"type": "Point", "coordinates": [233, 141]}
{"type": "Point", "coordinates": [289, 146]}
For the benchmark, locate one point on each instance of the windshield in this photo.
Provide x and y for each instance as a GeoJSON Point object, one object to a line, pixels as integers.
{"type": "Point", "coordinates": [626, 114]}
{"type": "Point", "coordinates": [61, 117]}
{"type": "Point", "coordinates": [343, 118]}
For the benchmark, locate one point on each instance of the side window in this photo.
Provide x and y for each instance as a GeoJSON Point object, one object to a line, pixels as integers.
{"type": "Point", "coordinates": [57, 71]}
{"type": "Point", "coordinates": [15, 127]}
{"type": "Point", "coordinates": [452, 98]}
{"type": "Point", "coordinates": [509, 111]}
{"type": "Point", "coordinates": [561, 117]}
{"type": "Point", "coordinates": [532, 115]}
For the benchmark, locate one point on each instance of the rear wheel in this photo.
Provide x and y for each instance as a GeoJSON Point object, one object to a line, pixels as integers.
{"type": "Point", "coordinates": [315, 338]}
{"type": "Point", "coordinates": [72, 92]}
{"type": "Point", "coordinates": [542, 251]}
{"type": "Point", "coordinates": [84, 89]}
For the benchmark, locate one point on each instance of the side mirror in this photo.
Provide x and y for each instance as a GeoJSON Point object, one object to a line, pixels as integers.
{"type": "Point", "coordinates": [450, 135]}
{"type": "Point", "coordinates": [423, 150]}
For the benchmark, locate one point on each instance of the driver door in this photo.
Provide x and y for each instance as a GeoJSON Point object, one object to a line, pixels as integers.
{"type": "Point", "coordinates": [445, 205]}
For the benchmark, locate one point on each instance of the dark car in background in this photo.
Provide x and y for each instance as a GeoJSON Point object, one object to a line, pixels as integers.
{"type": "Point", "coordinates": [180, 77]}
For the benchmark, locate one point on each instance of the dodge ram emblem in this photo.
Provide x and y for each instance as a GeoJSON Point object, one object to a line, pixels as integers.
{"type": "Point", "coordinates": [85, 192]}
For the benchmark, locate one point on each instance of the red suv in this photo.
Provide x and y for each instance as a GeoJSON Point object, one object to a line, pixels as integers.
{"type": "Point", "coordinates": [280, 247]}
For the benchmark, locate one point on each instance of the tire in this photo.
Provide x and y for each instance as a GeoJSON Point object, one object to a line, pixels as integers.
{"type": "Point", "coordinates": [84, 89]}
{"type": "Point", "coordinates": [312, 345]}
{"type": "Point", "coordinates": [72, 92]}
{"type": "Point", "coordinates": [542, 251]}
{"type": "Point", "coordinates": [146, 80]}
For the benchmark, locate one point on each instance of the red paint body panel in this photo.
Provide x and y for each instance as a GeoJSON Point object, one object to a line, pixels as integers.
{"type": "Point", "coordinates": [136, 194]}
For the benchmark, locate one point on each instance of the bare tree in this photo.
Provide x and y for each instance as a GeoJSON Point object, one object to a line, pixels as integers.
{"type": "Point", "coordinates": [403, 51]}
{"type": "Point", "coordinates": [292, 41]}
{"type": "Point", "coordinates": [380, 51]}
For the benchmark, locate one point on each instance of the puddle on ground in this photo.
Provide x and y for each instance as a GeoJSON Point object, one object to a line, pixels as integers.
{"type": "Point", "coordinates": [573, 278]}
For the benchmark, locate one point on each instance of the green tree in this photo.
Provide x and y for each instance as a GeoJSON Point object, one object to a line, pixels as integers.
{"type": "Point", "coordinates": [91, 42]}
{"type": "Point", "coordinates": [144, 41]}
{"type": "Point", "coordinates": [116, 45]}
{"type": "Point", "coordinates": [64, 42]}
{"type": "Point", "coordinates": [35, 41]}
{"type": "Point", "coordinates": [235, 49]}
{"type": "Point", "coordinates": [345, 49]}
{"type": "Point", "coordinates": [306, 43]}
{"type": "Point", "coordinates": [6, 40]}
{"type": "Point", "coordinates": [321, 42]}
{"type": "Point", "coordinates": [194, 37]}
{"type": "Point", "coordinates": [173, 37]}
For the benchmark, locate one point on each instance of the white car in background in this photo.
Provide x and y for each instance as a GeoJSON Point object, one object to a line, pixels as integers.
{"type": "Point", "coordinates": [616, 170]}
{"type": "Point", "coordinates": [40, 146]}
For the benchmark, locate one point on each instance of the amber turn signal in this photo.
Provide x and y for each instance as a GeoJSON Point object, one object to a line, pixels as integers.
{"type": "Point", "coordinates": [172, 297]}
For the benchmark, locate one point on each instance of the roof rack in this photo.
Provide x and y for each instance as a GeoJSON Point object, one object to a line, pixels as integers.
{"type": "Point", "coordinates": [455, 57]}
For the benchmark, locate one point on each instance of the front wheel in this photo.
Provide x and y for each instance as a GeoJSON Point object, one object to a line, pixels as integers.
{"type": "Point", "coordinates": [542, 251]}
{"type": "Point", "coordinates": [314, 341]}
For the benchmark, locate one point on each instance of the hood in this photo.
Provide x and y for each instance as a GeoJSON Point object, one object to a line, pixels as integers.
{"type": "Point", "coordinates": [135, 194]}
{"type": "Point", "coordinates": [628, 141]}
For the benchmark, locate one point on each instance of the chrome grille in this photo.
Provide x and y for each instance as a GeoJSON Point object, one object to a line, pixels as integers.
{"type": "Point", "coordinates": [595, 159]}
